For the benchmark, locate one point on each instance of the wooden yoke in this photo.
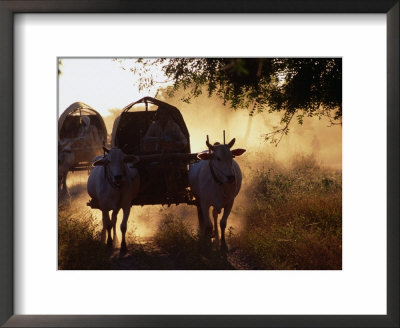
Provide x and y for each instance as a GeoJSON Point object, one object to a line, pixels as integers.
{"type": "Point", "coordinates": [168, 156]}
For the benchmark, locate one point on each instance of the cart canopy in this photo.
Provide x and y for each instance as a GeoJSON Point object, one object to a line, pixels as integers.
{"type": "Point", "coordinates": [69, 121]}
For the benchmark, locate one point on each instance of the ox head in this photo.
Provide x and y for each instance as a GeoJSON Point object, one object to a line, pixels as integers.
{"type": "Point", "coordinates": [221, 159]}
{"type": "Point", "coordinates": [64, 149]}
{"type": "Point", "coordinates": [115, 161]}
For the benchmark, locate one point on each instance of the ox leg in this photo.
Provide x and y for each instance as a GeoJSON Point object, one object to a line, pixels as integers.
{"type": "Point", "coordinates": [64, 184]}
{"type": "Point", "coordinates": [215, 216]}
{"type": "Point", "coordinates": [207, 228]}
{"type": "Point", "coordinates": [107, 225]}
{"type": "Point", "coordinates": [227, 211]}
{"type": "Point", "coordinates": [215, 232]}
{"type": "Point", "coordinates": [205, 231]}
{"type": "Point", "coordinates": [104, 230]}
{"type": "Point", "coordinates": [201, 219]}
{"type": "Point", "coordinates": [60, 190]}
{"type": "Point", "coordinates": [124, 225]}
{"type": "Point", "coordinates": [113, 224]}
{"type": "Point", "coordinates": [61, 186]}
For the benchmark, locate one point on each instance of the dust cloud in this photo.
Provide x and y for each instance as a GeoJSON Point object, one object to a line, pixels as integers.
{"type": "Point", "coordinates": [208, 116]}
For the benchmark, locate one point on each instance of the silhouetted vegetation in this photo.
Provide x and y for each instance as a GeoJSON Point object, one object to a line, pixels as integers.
{"type": "Point", "coordinates": [79, 241]}
{"type": "Point", "coordinates": [181, 242]}
{"type": "Point", "coordinates": [297, 87]}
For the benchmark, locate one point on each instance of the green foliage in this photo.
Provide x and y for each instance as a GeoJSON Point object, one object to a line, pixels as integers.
{"type": "Point", "coordinates": [60, 63]}
{"type": "Point", "coordinates": [302, 86]}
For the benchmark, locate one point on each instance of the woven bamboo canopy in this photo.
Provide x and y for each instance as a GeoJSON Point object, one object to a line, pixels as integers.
{"type": "Point", "coordinates": [143, 119]}
{"type": "Point", "coordinates": [79, 109]}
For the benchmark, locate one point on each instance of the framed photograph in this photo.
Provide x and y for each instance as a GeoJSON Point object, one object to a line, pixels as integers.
{"type": "Point", "coordinates": [217, 165]}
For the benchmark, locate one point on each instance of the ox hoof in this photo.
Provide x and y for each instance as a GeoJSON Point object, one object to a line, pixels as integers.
{"type": "Point", "coordinates": [224, 249]}
{"type": "Point", "coordinates": [209, 232]}
{"type": "Point", "coordinates": [123, 249]}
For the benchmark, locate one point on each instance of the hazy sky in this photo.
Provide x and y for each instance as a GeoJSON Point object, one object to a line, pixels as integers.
{"type": "Point", "coordinates": [103, 84]}
{"type": "Point", "coordinates": [100, 83]}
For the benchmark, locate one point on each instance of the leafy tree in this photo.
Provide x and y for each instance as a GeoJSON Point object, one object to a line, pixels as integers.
{"type": "Point", "coordinates": [59, 66]}
{"type": "Point", "coordinates": [297, 87]}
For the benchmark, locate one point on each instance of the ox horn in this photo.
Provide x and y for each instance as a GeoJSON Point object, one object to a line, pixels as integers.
{"type": "Point", "coordinates": [230, 144]}
{"type": "Point", "coordinates": [224, 137]}
{"type": "Point", "coordinates": [124, 147]}
{"type": "Point", "coordinates": [210, 147]}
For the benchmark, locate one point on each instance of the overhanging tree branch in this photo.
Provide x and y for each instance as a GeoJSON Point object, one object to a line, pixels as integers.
{"type": "Point", "coordinates": [289, 85]}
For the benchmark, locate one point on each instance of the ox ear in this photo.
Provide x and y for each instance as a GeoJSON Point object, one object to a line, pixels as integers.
{"type": "Point", "coordinates": [101, 162]}
{"type": "Point", "coordinates": [237, 152]}
{"type": "Point", "coordinates": [131, 159]}
{"type": "Point", "coordinates": [230, 144]}
{"type": "Point", "coordinates": [106, 150]}
{"type": "Point", "coordinates": [204, 155]}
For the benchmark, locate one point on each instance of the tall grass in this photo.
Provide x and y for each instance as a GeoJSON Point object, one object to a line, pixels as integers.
{"type": "Point", "coordinates": [294, 218]}
{"type": "Point", "coordinates": [181, 242]}
{"type": "Point", "coordinates": [286, 217]}
{"type": "Point", "coordinates": [79, 242]}
{"type": "Point", "coordinates": [291, 219]}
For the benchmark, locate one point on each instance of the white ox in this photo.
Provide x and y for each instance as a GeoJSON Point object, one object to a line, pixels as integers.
{"type": "Point", "coordinates": [215, 181]}
{"type": "Point", "coordinates": [113, 184]}
{"type": "Point", "coordinates": [66, 159]}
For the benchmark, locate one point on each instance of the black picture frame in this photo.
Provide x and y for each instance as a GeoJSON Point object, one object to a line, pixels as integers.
{"type": "Point", "coordinates": [10, 7]}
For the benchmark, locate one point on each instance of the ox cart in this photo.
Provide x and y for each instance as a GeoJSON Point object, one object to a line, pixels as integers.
{"type": "Point", "coordinates": [128, 133]}
{"type": "Point", "coordinates": [84, 130]}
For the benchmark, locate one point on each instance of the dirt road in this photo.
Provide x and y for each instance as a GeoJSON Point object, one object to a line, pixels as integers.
{"type": "Point", "coordinates": [147, 255]}
{"type": "Point", "coordinates": [144, 252]}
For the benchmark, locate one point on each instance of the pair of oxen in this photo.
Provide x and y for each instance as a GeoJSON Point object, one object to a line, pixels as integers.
{"type": "Point", "coordinates": [214, 181]}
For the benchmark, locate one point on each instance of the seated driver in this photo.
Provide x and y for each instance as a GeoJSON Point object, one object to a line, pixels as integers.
{"type": "Point", "coordinates": [164, 134]}
{"type": "Point", "coordinates": [88, 137]}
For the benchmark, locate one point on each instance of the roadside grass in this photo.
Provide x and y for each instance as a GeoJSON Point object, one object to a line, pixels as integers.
{"type": "Point", "coordinates": [290, 219]}
{"type": "Point", "coordinates": [176, 237]}
{"type": "Point", "coordinates": [79, 241]}
{"type": "Point", "coordinates": [294, 217]}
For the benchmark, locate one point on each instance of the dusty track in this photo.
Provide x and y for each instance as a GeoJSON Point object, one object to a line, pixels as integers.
{"type": "Point", "coordinates": [143, 252]}
{"type": "Point", "coordinates": [146, 255]}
